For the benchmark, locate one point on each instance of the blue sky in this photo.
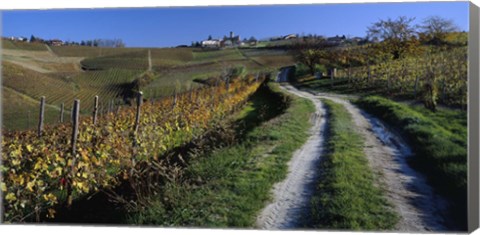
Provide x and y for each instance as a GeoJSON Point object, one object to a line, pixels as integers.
{"type": "Point", "coordinates": [164, 27]}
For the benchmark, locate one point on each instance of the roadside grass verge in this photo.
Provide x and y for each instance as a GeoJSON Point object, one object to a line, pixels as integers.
{"type": "Point", "coordinates": [347, 196]}
{"type": "Point", "coordinates": [440, 152]}
{"type": "Point", "coordinates": [452, 120]}
{"type": "Point", "coordinates": [229, 186]}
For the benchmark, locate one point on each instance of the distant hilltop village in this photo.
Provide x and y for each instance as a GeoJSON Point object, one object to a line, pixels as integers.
{"type": "Point", "coordinates": [230, 41]}
{"type": "Point", "coordinates": [58, 42]}
{"type": "Point", "coordinates": [236, 41]}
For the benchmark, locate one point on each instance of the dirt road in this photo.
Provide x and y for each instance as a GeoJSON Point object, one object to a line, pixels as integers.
{"type": "Point", "coordinates": [419, 208]}
{"type": "Point", "coordinates": [292, 196]}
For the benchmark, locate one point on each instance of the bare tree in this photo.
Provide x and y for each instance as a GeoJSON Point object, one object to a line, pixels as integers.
{"type": "Point", "coordinates": [310, 52]}
{"type": "Point", "coordinates": [437, 28]}
{"type": "Point", "coordinates": [398, 36]}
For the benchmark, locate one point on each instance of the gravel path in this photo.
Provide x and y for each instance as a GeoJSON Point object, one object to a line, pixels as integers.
{"type": "Point", "coordinates": [292, 196]}
{"type": "Point", "coordinates": [419, 208]}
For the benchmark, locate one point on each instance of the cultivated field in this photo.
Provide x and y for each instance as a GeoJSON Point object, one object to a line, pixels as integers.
{"type": "Point", "coordinates": [65, 73]}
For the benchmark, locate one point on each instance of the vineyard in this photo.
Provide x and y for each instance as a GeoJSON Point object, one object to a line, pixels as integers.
{"type": "Point", "coordinates": [217, 55]}
{"type": "Point", "coordinates": [41, 172]}
{"type": "Point", "coordinates": [131, 60]}
{"type": "Point", "coordinates": [441, 76]}
{"type": "Point", "coordinates": [30, 82]}
{"type": "Point", "coordinates": [111, 85]}
{"type": "Point", "coordinates": [161, 58]}
{"type": "Point", "coordinates": [207, 64]}
{"type": "Point", "coordinates": [26, 110]}
{"type": "Point", "coordinates": [85, 51]}
{"type": "Point", "coordinates": [167, 57]}
{"type": "Point", "coordinates": [110, 73]}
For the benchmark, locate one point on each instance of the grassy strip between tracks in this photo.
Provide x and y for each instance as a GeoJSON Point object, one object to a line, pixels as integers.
{"type": "Point", "coordinates": [440, 151]}
{"type": "Point", "coordinates": [229, 186]}
{"type": "Point", "coordinates": [347, 196]}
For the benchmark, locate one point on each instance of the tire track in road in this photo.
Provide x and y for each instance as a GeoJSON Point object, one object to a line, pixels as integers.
{"type": "Point", "coordinates": [292, 196]}
{"type": "Point", "coordinates": [419, 207]}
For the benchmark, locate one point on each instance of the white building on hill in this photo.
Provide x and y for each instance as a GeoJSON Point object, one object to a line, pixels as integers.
{"type": "Point", "coordinates": [214, 43]}
{"type": "Point", "coordinates": [230, 41]}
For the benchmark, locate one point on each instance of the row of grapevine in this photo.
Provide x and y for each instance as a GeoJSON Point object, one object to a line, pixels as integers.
{"type": "Point", "coordinates": [38, 171]}
{"type": "Point", "coordinates": [109, 84]}
{"type": "Point", "coordinates": [165, 57]}
{"type": "Point", "coordinates": [132, 60]}
{"type": "Point", "coordinates": [446, 72]}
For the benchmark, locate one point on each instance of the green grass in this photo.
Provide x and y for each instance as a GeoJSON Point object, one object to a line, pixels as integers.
{"type": "Point", "coordinates": [454, 121]}
{"type": "Point", "coordinates": [440, 151]}
{"type": "Point", "coordinates": [229, 186]}
{"type": "Point", "coordinates": [347, 197]}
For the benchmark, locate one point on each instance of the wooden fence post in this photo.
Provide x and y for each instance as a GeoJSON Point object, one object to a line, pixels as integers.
{"type": "Point", "coordinates": [41, 116]}
{"type": "Point", "coordinates": [75, 114]}
{"type": "Point", "coordinates": [95, 110]}
{"type": "Point", "coordinates": [137, 116]}
{"type": "Point", "coordinates": [62, 110]}
{"type": "Point", "coordinates": [75, 119]}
